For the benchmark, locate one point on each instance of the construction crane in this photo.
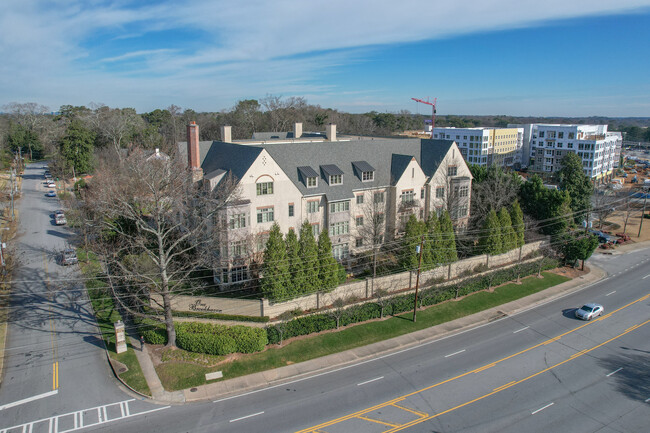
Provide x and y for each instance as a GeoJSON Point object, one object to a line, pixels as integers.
{"type": "Point", "coordinates": [433, 110]}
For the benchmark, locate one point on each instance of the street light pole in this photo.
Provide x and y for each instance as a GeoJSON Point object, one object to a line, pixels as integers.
{"type": "Point", "coordinates": [417, 279]}
{"type": "Point", "coordinates": [645, 199]}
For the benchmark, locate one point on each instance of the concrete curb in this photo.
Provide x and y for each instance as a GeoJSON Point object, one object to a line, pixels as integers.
{"type": "Point", "coordinates": [278, 376]}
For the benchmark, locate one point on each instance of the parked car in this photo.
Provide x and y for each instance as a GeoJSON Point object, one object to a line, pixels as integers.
{"type": "Point", "coordinates": [51, 185]}
{"type": "Point", "coordinates": [69, 257]}
{"type": "Point", "coordinates": [60, 220]}
{"type": "Point", "coordinates": [50, 194]}
{"type": "Point", "coordinates": [589, 311]}
{"type": "Point", "coordinates": [58, 212]}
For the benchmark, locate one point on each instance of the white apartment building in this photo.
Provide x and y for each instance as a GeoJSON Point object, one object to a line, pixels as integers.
{"type": "Point", "coordinates": [549, 143]}
{"type": "Point", "coordinates": [335, 183]}
{"type": "Point", "coordinates": [486, 146]}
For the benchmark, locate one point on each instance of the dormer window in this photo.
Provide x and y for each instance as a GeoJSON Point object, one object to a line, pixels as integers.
{"type": "Point", "coordinates": [312, 182]}
{"type": "Point", "coordinates": [309, 176]}
{"type": "Point", "coordinates": [364, 171]}
{"type": "Point", "coordinates": [333, 174]}
{"type": "Point", "coordinates": [367, 176]}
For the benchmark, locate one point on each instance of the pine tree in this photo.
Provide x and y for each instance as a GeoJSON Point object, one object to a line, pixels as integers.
{"type": "Point", "coordinates": [297, 277]}
{"type": "Point", "coordinates": [490, 240]}
{"type": "Point", "coordinates": [275, 269]}
{"type": "Point", "coordinates": [309, 254]}
{"type": "Point", "coordinates": [447, 239]}
{"type": "Point", "coordinates": [517, 219]}
{"type": "Point", "coordinates": [508, 235]}
{"type": "Point", "coordinates": [413, 232]}
{"type": "Point", "coordinates": [328, 266]}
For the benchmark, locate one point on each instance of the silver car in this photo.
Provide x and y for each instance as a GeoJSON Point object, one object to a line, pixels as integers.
{"type": "Point", "coordinates": [589, 311]}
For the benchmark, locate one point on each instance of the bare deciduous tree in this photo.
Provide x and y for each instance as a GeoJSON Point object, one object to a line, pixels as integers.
{"type": "Point", "coordinates": [604, 204]}
{"type": "Point", "coordinates": [154, 227]}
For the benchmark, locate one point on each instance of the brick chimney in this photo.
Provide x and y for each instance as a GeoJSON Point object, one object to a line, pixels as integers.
{"type": "Point", "coordinates": [226, 134]}
{"type": "Point", "coordinates": [297, 130]}
{"type": "Point", "coordinates": [193, 155]}
{"type": "Point", "coordinates": [331, 132]}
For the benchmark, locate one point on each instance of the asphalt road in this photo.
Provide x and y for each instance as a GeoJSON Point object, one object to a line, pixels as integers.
{"type": "Point", "coordinates": [541, 370]}
{"type": "Point", "coordinates": [54, 360]}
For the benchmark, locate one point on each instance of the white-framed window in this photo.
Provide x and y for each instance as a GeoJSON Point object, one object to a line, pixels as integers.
{"type": "Point", "coordinates": [312, 182]}
{"type": "Point", "coordinates": [265, 215]}
{"type": "Point", "coordinates": [238, 249]}
{"type": "Point", "coordinates": [315, 229]}
{"type": "Point", "coordinates": [367, 176]}
{"type": "Point", "coordinates": [264, 188]}
{"type": "Point", "coordinates": [239, 273]}
{"type": "Point", "coordinates": [336, 179]}
{"type": "Point", "coordinates": [340, 228]}
{"type": "Point", "coordinates": [440, 192]}
{"type": "Point", "coordinates": [340, 206]}
{"type": "Point", "coordinates": [341, 251]}
{"type": "Point", "coordinates": [360, 199]}
{"type": "Point", "coordinates": [237, 221]}
{"type": "Point", "coordinates": [379, 197]}
{"type": "Point", "coordinates": [358, 221]}
{"type": "Point", "coordinates": [312, 206]}
{"type": "Point", "coordinates": [407, 196]}
{"type": "Point", "coordinates": [452, 170]}
{"type": "Point", "coordinates": [463, 191]}
{"type": "Point", "coordinates": [460, 212]}
{"type": "Point", "coordinates": [291, 210]}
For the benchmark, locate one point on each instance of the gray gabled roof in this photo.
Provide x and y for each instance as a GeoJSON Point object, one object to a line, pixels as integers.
{"type": "Point", "coordinates": [231, 157]}
{"type": "Point", "coordinates": [331, 170]}
{"type": "Point", "coordinates": [306, 172]}
{"type": "Point", "coordinates": [362, 166]}
{"type": "Point", "coordinates": [398, 165]}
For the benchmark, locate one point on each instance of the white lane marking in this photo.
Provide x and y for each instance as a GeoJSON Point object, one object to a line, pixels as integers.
{"type": "Point", "coordinates": [371, 380]}
{"type": "Point", "coordinates": [28, 399]}
{"type": "Point", "coordinates": [77, 419]}
{"type": "Point", "coordinates": [645, 277]}
{"type": "Point", "coordinates": [310, 375]}
{"type": "Point", "coordinates": [542, 408]}
{"type": "Point", "coordinates": [455, 353]}
{"type": "Point", "coordinates": [611, 293]}
{"type": "Point", "coordinates": [522, 329]}
{"type": "Point", "coordinates": [247, 416]}
{"type": "Point", "coordinates": [615, 371]}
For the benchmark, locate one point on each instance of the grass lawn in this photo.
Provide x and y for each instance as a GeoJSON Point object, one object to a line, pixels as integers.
{"type": "Point", "coordinates": [178, 375]}
{"type": "Point", "coordinates": [106, 315]}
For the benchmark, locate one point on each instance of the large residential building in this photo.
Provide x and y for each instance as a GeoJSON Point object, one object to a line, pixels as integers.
{"type": "Point", "coordinates": [357, 188]}
{"type": "Point", "coordinates": [486, 146]}
{"type": "Point", "coordinates": [546, 144]}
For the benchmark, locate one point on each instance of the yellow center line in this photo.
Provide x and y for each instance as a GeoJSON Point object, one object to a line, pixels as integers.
{"type": "Point", "coordinates": [511, 384]}
{"type": "Point", "coordinates": [484, 367]}
{"type": "Point", "coordinates": [504, 386]}
{"type": "Point", "coordinates": [55, 349]}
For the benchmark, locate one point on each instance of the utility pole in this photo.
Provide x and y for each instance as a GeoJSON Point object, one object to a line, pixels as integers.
{"type": "Point", "coordinates": [645, 199]}
{"type": "Point", "coordinates": [417, 279]}
{"type": "Point", "coordinates": [13, 188]}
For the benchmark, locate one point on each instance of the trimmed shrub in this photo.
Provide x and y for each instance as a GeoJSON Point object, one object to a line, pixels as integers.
{"type": "Point", "coordinates": [219, 339]}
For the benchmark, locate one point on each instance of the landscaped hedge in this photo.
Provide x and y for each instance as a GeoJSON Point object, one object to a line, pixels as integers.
{"type": "Point", "coordinates": [215, 316]}
{"type": "Point", "coordinates": [208, 338]}
{"type": "Point", "coordinates": [402, 303]}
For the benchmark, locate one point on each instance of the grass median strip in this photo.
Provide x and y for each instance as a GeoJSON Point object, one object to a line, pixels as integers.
{"type": "Point", "coordinates": [318, 345]}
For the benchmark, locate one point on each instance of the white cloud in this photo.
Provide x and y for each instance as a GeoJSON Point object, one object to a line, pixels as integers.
{"type": "Point", "coordinates": [249, 48]}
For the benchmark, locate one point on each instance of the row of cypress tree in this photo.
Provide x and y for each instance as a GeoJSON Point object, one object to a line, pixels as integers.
{"type": "Point", "coordinates": [294, 266]}
{"type": "Point", "coordinates": [439, 242]}
{"type": "Point", "coordinates": [502, 231]}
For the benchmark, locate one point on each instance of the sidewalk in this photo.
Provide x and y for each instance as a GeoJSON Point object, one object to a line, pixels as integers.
{"type": "Point", "coordinates": [319, 365]}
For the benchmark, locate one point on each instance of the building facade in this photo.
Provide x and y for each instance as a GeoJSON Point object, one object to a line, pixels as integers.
{"type": "Point", "coordinates": [598, 149]}
{"type": "Point", "coordinates": [486, 146]}
{"type": "Point", "coordinates": [362, 190]}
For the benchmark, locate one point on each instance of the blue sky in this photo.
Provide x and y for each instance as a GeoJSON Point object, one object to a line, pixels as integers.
{"type": "Point", "coordinates": [513, 57]}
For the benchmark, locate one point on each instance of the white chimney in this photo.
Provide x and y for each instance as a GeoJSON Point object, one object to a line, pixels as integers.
{"type": "Point", "coordinates": [331, 132]}
{"type": "Point", "coordinates": [297, 130]}
{"type": "Point", "coordinates": [226, 134]}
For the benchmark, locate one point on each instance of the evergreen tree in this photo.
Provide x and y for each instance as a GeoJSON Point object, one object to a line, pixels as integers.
{"type": "Point", "coordinates": [490, 239]}
{"type": "Point", "coordinates": [447, 239]}
{"type": "Point", "coordinates": [413, 232]}
{"type": "Point", "coordinates": [20, 137]}
{"type": "Point", "coordinates": [577, 184]}
{"type": "Point", "coordinates": [275, 269]}
{"type": "Point", "coordinates": [297, 277]}
{"type": "Point", "coordinates": [76, 147]}
{"type": "Point", "coordinates": [328, 267]}
{"type": "Point", "coordinates": [431, 255]}
{"type": "Point", "coordinates": [517, 219]}
{"type": "Point", "coordinates": [508, 235]}
{"type": "Point", "coordinates": [309, 254]}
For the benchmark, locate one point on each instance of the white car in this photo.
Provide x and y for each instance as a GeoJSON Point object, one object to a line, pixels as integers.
{"type": "Point", "coordinates": [50, 194]}
{"type": "Point", "coordinates": [51, 185]}
{"type": "Point", "coordinates": [589, 311]}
